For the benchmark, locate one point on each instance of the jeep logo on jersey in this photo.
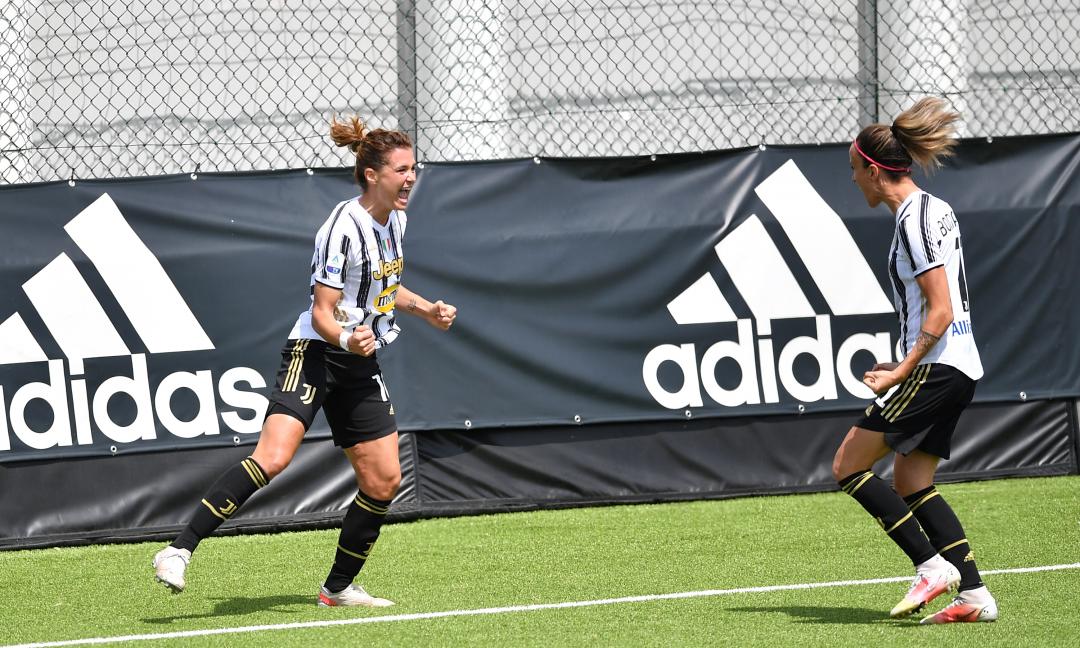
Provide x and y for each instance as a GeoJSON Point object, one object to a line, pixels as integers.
{"type": "Point", "coordinates": [771, 292]}
{"type": "Point", "coordinates": [78, 323]}
{"type": "Point", "coordinates": [389, 268]}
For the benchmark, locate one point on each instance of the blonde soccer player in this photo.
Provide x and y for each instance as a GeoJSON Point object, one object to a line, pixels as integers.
{"type": "Point", "coordinates": [921, 397]}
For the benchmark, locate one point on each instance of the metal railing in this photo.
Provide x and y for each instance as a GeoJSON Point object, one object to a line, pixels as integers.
{"type": "Point", "coordinates": [119, 89]}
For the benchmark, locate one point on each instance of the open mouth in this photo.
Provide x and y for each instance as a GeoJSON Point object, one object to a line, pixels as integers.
{"type": "Point", "coordinates": [403, 195]}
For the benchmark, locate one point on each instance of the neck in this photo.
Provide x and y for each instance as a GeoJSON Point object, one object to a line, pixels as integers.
{"type": "Point", "coordinates": [381, 213]}
{"type": "Point", "coordinates": [895, 194]}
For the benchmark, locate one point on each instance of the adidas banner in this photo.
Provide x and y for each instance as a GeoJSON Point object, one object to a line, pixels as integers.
{"type": "Point", "coordinates": [144, 315]}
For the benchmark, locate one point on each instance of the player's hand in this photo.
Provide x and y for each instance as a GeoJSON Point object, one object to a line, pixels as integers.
{"type": "Point", "coordinates": [362, 341]}
{"type": "Point", "coordinates": [442, 315]}
{"type": "Point", "coordinates": [881, 381]}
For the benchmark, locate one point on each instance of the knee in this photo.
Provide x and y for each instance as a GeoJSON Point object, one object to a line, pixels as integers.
{"type": "Point", "coordinates": [272, 463]}
{"type": "Point", "coordinates": [383, 487]}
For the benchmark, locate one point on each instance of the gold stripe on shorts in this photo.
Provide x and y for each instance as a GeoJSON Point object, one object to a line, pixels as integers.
{"type": "Point", "coordinates": [918, 377]}
{"type": "Point", "coordinates": [292, 376]}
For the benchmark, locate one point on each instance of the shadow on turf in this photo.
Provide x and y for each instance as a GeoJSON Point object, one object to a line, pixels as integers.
{"type": "Point", "coordinates": [806, 614]}
{"type": "Point", "coordinates": [241, 605]}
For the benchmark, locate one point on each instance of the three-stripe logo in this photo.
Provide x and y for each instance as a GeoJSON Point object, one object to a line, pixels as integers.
{"type": "Point", "coordinates": [82, 329]}
{"type": "Point", "coordinates": [771, 292]}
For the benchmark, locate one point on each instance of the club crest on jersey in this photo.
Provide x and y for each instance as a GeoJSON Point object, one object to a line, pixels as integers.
{"type": "Point", "coordinates": [388, 268]}
{"type": "Point", "coordinates": [334, 265]}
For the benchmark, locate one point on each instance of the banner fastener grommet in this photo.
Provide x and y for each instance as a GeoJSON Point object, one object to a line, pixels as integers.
{"type": "Point", "coordinates": [577, 418]}
{"type": "Point", "coordinates": [113, 449]}
{"type": "Point", "coordinates": [801, 408]}
{"type": "Point", "coordinates": [468, 424]}
{"type": "Point", "coordinates": [236, 440]}
{"type": "Point", "coordinates": [536, 160]}
{"type": "Point", "coordinates": [195, 173]}
{"type": "Point", "coordinates": [688, 414]}
{"type": "Point", "coordinates": [1023, 396]}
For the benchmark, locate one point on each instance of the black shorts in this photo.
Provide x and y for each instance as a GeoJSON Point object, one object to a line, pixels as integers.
{"type": "Point", "coordinates": [348, 387]}
{"type": "Point", "coordinates": [921, 413]}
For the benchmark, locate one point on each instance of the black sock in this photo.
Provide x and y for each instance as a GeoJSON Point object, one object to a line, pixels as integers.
{"type": "Point", "coordinates": [359, 531]}
{"type": "Point", "coordinates": [890, 511]}
{"type": "Point", "coordinates": [945, 532]}
{"type": "Point", "coordinates": [222, 501]}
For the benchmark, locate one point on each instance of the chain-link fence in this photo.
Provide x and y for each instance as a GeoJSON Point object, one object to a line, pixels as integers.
{"type": "Point", "coordinates": [107, 89]}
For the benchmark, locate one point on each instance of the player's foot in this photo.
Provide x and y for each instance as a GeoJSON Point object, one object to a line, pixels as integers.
{"type": "Point", "coordinates": [351, 595]}
{"type": "Point", "coordinates": [933, 578]}
{"type": "Point", "coordinates": [169, 566]}
{"type": "Point", "coordinates": [972, 606]}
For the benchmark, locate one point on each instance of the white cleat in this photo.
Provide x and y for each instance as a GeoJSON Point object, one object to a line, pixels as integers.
{"type": "Point", "coordinates": [972, 606]}
{"type": "Point", "coordinates": [353, 595]}
{"type": "Point", "coordinates": [929, 584]}
{"type": "Point", "coordinates": [169, 566]}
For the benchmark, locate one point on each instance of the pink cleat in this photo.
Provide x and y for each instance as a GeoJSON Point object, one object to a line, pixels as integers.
{"type": "Point", "coordinates": [928, 585]}
{"type": "Point", "coordinates": [973, 606]}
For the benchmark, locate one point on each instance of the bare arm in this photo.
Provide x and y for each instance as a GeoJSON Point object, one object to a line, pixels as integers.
{"type": "Point", "coordinates": [935, 289]}
{"type": "Point", "coordinates": [361, 341]}
{"type": "Point", "coordinates": [438, 314]}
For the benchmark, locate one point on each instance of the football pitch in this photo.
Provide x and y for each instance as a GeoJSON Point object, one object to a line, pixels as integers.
{"type": "Point", "coordinates": [809, 570]}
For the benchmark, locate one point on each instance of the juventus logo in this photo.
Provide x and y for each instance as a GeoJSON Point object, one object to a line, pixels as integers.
{"type": "Point", "coordinates": [228, 509]}
{"type": "Point", "coordinates": [309, 394]}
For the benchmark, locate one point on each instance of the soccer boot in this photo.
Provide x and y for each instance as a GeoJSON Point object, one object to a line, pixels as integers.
{"type": "Point", "coordinates": [972, 606]}
{"type": "Point", "coordinates": [169, 566]}
{"type": "Point", "coordinates": [351, 595]}
{"type": "Point", "coordinates": [929, 584]}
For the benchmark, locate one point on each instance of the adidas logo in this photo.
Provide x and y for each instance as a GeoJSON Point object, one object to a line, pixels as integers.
{"type": "Point", "coordinates": [771, 292]}
{"type": "Point", "coordinates": [81, 328]}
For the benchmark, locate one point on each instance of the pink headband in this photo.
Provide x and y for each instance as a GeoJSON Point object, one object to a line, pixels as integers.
{"type": "Point", "coordinates": [873, 161]}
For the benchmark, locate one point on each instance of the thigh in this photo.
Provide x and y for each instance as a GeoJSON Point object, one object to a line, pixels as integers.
{"type": "Point", "coordinates": [914, 471]}
{"type": "Point", "coordinates": [860, 449]}
{"type": "Point", "coordinates": [278, 442]}
{"type": "Point", "coordinates": [376, 464]}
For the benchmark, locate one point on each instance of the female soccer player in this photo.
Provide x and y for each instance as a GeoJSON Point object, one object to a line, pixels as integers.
{"type": "Point", "coordinates": [329, 362]}
{"type": "Point", "coordinates": [921, 397]}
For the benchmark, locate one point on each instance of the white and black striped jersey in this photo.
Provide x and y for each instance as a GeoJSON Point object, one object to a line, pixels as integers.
{"type": "Point", "coordinates": [363, 259]}
{"type": "Point", "coordinates": [927, 235]}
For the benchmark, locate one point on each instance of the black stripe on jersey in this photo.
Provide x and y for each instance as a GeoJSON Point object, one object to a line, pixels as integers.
{"type": "Point", "coordinates": [898, 286]}
{"type": "Point", "coordinates": [365, 268]}
{"type": "Point", "coordinates": [329, 235]}
{"type": "Point", "coordinates": [924, 226]}
{"type": "Point", "coordinates": [345, 255]}
{"type": "Point", "coordinates": [902, 235]}
{"type": "Point", "coordinates": [394, 241]}
{"type": "Point", "coordinates": [379, 246]}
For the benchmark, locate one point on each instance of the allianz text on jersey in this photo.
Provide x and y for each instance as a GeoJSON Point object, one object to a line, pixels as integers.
{"type": "Point", "coordinates": [82, 413]}
{"type": "Point", "coordinates": [772, 293]}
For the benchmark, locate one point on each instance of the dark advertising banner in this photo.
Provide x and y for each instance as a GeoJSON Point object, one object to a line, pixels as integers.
{"type": "Point", "coordinates": [628, 330]}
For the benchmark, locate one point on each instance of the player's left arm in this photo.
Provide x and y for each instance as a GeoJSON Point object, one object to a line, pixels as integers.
{"type": "Point", "coordinates": [934, 285]}
{"type": "Point", "coordinates": [439, 314]}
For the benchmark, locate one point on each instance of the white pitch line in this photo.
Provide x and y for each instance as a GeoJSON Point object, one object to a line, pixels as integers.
{"type": "Point", "coordinates": [505, 610]}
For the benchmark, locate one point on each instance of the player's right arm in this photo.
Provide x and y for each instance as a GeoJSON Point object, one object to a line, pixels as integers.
{"type": "Point", "coordinates": [361, 340]}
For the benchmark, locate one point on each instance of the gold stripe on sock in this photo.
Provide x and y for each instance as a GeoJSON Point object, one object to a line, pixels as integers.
{"type": "Point", "coordinates": [351, 553]}
{"type": "Point", "coordinates": [253, 471]}
{"type": "Point", "coordinates": [902, 520]}
{"type": "Point", "coordinates": [924, 499]}
{"type": "Point", "coordinates": [955, 544]}
{"type": "Point", "coordinates": [858, 483]}
{"type": "Point", "coordinates": [368, 506]}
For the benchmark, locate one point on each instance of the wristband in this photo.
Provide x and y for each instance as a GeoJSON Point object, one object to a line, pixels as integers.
{"type": "Point", "coordinates": [343, 340]}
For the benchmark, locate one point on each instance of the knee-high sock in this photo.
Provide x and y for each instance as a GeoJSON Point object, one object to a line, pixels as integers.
{"type": "Point", "coordinates": [890, 511]}
{"type": "Point", "coordinates": [359, 531]}
{"type": "Point", "coordinates": [221, 502]}
{"type": "Point", "coordinates": [945, 533]}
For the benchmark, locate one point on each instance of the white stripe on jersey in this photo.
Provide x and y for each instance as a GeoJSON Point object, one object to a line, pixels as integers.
{"type": "Point", "coordinates": [927, 236]}
{"type": "Point", "coordinates": [364, 260]}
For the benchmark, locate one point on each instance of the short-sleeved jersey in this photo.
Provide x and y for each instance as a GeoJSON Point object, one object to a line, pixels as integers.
{"type": "Point", "coordinates": [927, 236]}
{"type": "Point", "coordinates": [363, 259]}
